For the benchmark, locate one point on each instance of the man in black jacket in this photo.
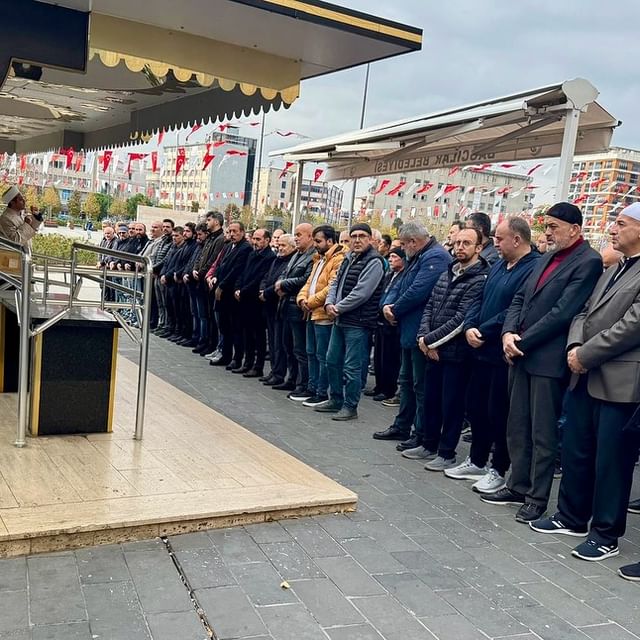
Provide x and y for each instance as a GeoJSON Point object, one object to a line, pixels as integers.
{"type": "Point", "coordinates": [277, 329]}
{"type": "Point", "coordinates": [158, 258]}
{"type": "Point", "coordinates": [248, 289]}
{"type": "Point", "coordinates": [168, 281]}
{"type": "Point", "coordinates": [534, 337]}
{"type": "Point", "coordinates": [287, 288]}
{"type": "Point", "coordinates": [226, 280]}
{"type": "Point", "coordinates": [441, 340]}
{"type": "Point", "coordinates": [482, 223]}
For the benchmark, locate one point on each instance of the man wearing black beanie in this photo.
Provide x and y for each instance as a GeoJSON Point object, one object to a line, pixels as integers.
{"type": "Point", "coordinates": [534, 337]}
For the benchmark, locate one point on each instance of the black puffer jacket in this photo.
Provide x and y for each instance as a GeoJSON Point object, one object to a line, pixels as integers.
{"type": "Point", "coordinates": [443, 317]}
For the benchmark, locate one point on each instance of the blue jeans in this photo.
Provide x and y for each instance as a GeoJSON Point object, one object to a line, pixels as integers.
{"type": "Point", "coordinates": [318, 336]}
{"type": "Point", "coordinates": [348, 348]}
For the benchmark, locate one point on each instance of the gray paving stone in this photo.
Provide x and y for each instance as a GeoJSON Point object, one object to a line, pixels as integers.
{"type": "Point", "coordinates": [428, 569]}
{"type": "Point", "coordinates": [415, 595]}
{"type": "Point", "coordinates": [457, 627]}
{"type": "Point", "coordinates": [22, 634]}
{"type": "Point", "coordinates": [327, 605]}
{"type": "Point", "coordinates": [191, 541]}
{"type": "Point", "coordinates": [372, 556]}
{"type": "Point", "coordinates": [290, 560]}
{"type": "Point", "coordinates": [460, 535]}
{"type": "Point", "coordinates": [54, 590]}
{"type": "Point", "coordinates": [291, 622]}
{"type": "Point", "coordinates": [230, 613]}
{"type": "Point", "coordinates": [102, 564]}
{"type": "Point", "coordinates": [316, 542]}
{"type": "Point", "coordinates": [509, 568]}
{"type": "Point", "coordinates": [170, 626]}
{"type": "Point", "coordinates": [68, 631]}
{"type": "Point", "coordinates": [261, 582]}
{"type": "Point", "coordinates": [236, 546]}
{"type": "Point", "coordinates": [115, 612]}
{"type": "Point", "coordinates": [546, 624]}
{"type": "Point", "coordinates": [610, 631]}
{"type": "Point", "coordinates": [155, 544]}
{"type": "Point", "coordinates": [350, 577]}
{"type": "Point", "coordinates": [339, 527]}
{"type": "Point", "coordinates": [564, 604]}
{"type": "Point", "coordinates": [267, 532]}
{"type": "Point", "coordinates": [204, 568]}
{"type": "Point", "coordinates": [13, 611]}
{"type": "Point", "coordinates": [157, 582]}
{"type": "Point", "coordinates": [388, 536]}
{"type": "Point", "coordinates": [483, 614]}
{"type": "Point", "coordinates": [358, 632]}
{"type": "Point", "coordinates": [13, 574]}
{"type": "Point", "coordinates": [392, 620]}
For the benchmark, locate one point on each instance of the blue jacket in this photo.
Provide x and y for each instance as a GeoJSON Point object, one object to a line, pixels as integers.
{"type": "Point", "coordinates": [420, 275]}
{"type": "Point", "coordinates": [487, 314]}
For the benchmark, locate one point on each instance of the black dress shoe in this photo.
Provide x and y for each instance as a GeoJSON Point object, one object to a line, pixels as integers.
{"type": "Point", "coordinates": [233, 365]}
{"type": "Point", "coordinates": [240, 370]}
{"type": "Point", "coordinates": [504, 496]}
{"type": "Point", "coordinates": [284, 386]}
{"type": "Point", "coordinates": [530, 512]}
{"type": "Point", "coordinates": [392, 433]}
{"type": "Point", "coordinates": [634, 506]}
{"type": "Point", "coordinates": [272, 382]}
{"type": "Point", "coordinates": [379, 397]}
{"type": "Point", "coordinates": [253, 373]}
{"type": "Point", "coordinates": [189, 343]}
{"type": "Point", "coordinates": [265, 378]}
{"type": "Point", "coordinates": [219, 363]}
{"type": "Point", "coordinates": [201, 349]}
{"type": "Point", "coordinates": [369, 392]}
{"type": "Point", "coordinates": [409, 443]}
{"type": "Point", "coordinates": [174, 338]}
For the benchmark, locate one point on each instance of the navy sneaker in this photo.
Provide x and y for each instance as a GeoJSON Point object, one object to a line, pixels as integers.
{"type": "Point", "coordinates": [553, 524]}
{"type": "Point", "coordinates": [593, 551]}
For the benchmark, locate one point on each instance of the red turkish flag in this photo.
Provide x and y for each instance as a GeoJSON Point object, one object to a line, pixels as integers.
{"type": "Point", "coordinates": [218, 143]}
{"type": "Point", "coordinates": [235, 152]}
{"type": "Point", "coordinates": [579, 176]}
{"type": "Point", "coordinates": [287, 166]}
{"type": "Point", "coordinates": [135, 156]}
{"type": "Point", "coordinates": [317, 174]}
{"type": "Point", "coordinates": [160, 136]}
{"type": "Point", "coordinates": [181, 158]}
{"type": "Point", "coordinates": [508, 165]}
{"type": "Point", "coordinates": [397, 188]}
{"type": "Point", "coordinates": [68, 153]}
{"type": "Point", "coordinates": [208, 157]}
{"type": "Point", "coordinates": [503, 191]}
{"type": "Point", "coordinates": [154, 161]}
{"type": "Point", "coordinates": [449, 188]}
{"type": "Point", "coordinates": [454, 170]}
{"type": "Point", "coordinates": [533, 169]}
{"type": "Point", "coordinates": [23, 162]}
{"type": "Point", "coordinates": [223, 127]}
{"type": "Point", "coordinates": [424, 188]}
{"type": "Point", "coordinates": [580, 199]}
{"type": "Point", "coordinates": [596, 183]}
{"type": "Point", "coordinates": [194, 129]}
{"type": "Point", "coordinates": [106, 161]}
{"type": "Point", "coordinates": [78, 163]}
{"type": "Point", "coordinates": [381, 187]}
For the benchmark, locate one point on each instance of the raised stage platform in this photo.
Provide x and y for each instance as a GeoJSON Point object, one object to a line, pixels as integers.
{"type": "Point", "coordinates": [194, 469]}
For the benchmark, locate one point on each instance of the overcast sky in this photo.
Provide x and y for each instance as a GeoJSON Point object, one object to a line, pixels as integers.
{"type": "Point", "coordinates": [477, 50]}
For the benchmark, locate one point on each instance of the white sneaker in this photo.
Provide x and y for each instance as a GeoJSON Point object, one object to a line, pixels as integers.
{"type": "Point", "coordinates": [440, 464]}
{"type": "Point", "coordinates": [212, 355]}
{"type": "Point", "coordinates": [490, 483]}
{"type": "Point", "coordinates": [465, 471]}
{"type": "Point", "coordinates": [419, 453]}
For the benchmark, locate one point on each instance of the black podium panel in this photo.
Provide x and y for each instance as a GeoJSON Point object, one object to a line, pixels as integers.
{"type": "Point", "coordinates": [9, 348]}
{"type": "Point", "coordinates": [75, 383]}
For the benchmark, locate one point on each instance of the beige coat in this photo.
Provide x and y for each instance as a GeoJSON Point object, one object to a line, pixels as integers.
{"type": "Point", "coordinates": [333, 260]}
{"type": "Point", "coordinates": [608, 330]}
{"type": "Point", "coordinates": [14, 228]}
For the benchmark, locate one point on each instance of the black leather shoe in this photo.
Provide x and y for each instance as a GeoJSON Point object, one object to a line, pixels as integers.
{"type": "Point", "coordinates": [409, 443]}
{"type": "Point", "coordinates": [284, 386]}
{"type": "Point", "coordinates": [265, 378]}
{"type": "Point", "coordinates": [272, 382]}
{"type": "Point", "coordinates": [253, 373]}
{"type": "Point", "coordinates": [240, 370]}
{"type": "Point", "coordinates": [634, 506]}
{"type": "Point", "coordinates": [201, 349]}
{"type": "Point", "coordinates": [392, 433]}
{"type": "Point", "coordinates": [530, 512]}
{"type": "Point", "coordinates": [174, 338]}
{"type": "Point", "coordinates": [233, 365]}
{"type": "Point", "coordinates": [504, 496]}
{"type": "Point", "coordinates": [369, 392]}
{"type": "Point", "coordinates": [219, 363]}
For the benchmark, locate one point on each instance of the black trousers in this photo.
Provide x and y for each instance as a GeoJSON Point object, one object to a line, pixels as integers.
{"type": "Point", "coordinates": [535, 403]}
{"type": "Point", "coordinates": [598, 458]}
{"type": "Point", "coordinates": [238, 321]}
{"type": "Point", "coordinates": [444, 386]}
{"type": "Point", "coordinates": [299, 351]}
{"type": "Point", "coordinates": [387, 355]}
{"type": "Point", "coordinates": [283, 363]}
{"type": "Point", "coordinates": [488, 409]}
{"type": "Point", "coordinates": [255, 334]}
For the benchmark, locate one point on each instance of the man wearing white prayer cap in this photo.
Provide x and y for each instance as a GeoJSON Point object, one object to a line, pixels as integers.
{"type": "Point", "coordinates": [14, 225]}
{"type": "Point", "coordinates": [598, 452]}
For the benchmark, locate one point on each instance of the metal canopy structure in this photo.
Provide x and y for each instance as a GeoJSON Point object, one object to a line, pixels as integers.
{"type": "Point", "coordinates": [557, 120]}
{"type": "Point", "coordinates": [96, 73]}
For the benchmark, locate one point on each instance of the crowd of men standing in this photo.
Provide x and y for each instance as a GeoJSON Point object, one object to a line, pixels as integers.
{"type": "Point", "coordinates": [484, 328]}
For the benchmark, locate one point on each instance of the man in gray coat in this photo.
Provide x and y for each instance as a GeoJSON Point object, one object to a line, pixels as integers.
{"type": "Point", "coordinates": [604, 358]}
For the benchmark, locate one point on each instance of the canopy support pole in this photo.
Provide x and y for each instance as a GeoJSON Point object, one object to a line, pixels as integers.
{"type": "Point", "coordinates": [566, 157]}
{"type": "Point", "coordinates": [297, 197]}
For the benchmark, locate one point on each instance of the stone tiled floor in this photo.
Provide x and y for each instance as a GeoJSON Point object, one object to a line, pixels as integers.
{"type": "Point", "coordinates": [422, 557]}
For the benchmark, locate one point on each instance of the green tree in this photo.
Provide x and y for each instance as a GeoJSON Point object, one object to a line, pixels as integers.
{"type": "Point", "coordinates": [105, 202]}
{"type": "Point", "coordinates": [134, 201]}
{"type": "Point", "coordinates": [32, 197]}
{"type": "Point", "coordinates": [118, 208]}
{"type": "Point", "coordinates": [74, 204]}
{"type": "Point", "coordinates": [232, 213]}
{"type": "Point", "coordinates": [92, 206]}
{"type": "Point", "coordinates": [397, 223]}
{"type": "Point", "coordinates": [51, 200]}
{"type": "Point", "coordinates": [246, 216]}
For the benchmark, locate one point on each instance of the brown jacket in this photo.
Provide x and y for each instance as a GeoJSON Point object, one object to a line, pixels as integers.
{"type": "Point", "coordinates": [333, 260]}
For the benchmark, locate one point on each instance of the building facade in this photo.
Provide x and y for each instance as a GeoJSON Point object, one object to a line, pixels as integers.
{"type": "Point", "coordinates": [602, 184]}
{"type": "Point", "coordinates": [445, 194]}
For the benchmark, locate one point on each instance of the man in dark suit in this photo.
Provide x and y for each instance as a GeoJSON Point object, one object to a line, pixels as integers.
{"type": "Point", "coordinates": [534, 336]}
{"type": "Point", "coordinates": [227, 276]}
{"type": "Point", "coordinates": [604, 358]}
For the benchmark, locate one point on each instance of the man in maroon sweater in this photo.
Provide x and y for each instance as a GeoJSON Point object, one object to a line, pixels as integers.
{"type": "Point", "coordinates": [534, 336]}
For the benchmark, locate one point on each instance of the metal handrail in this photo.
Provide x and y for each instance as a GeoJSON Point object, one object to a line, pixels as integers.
{"type": "Point", "coordinates": [24, 318]}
